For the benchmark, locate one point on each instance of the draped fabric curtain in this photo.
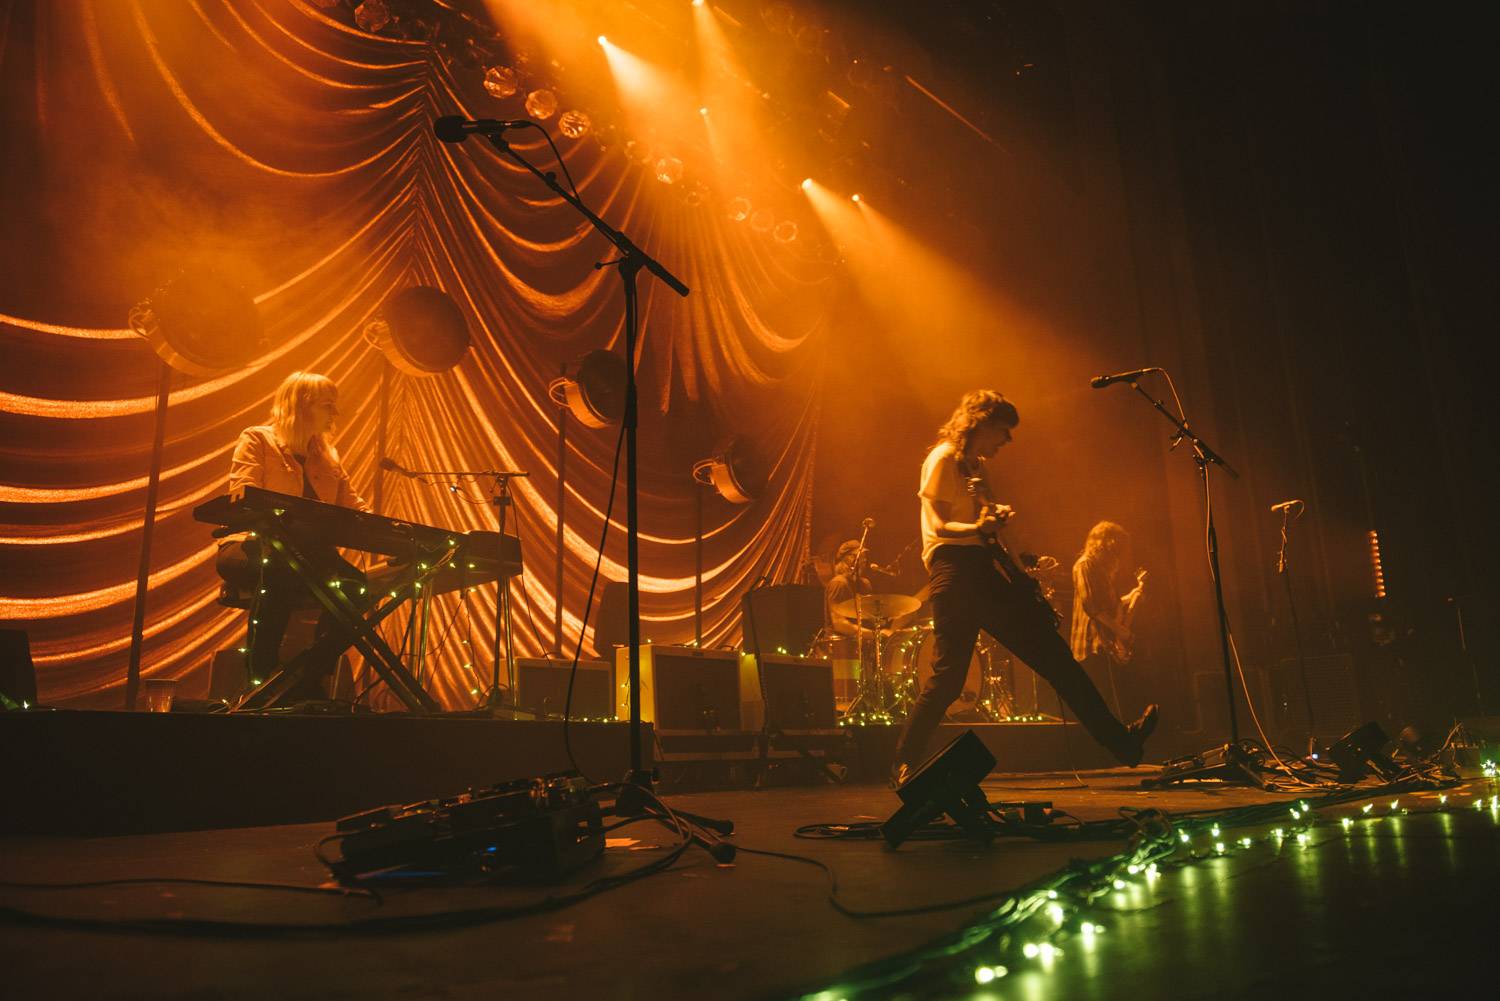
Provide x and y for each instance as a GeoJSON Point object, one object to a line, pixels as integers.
{"type": "Point", "coordinates": [297, 151]}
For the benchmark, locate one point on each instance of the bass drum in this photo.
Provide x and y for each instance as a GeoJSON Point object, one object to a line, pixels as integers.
{"type": "Point", "coordinates": [909, 658]}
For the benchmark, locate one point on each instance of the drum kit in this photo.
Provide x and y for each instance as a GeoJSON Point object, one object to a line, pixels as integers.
{"type": "Point", "coordinates": [880, 671]}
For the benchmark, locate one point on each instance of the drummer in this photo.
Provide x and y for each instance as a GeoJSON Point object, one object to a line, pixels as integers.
{"type": "Point", "coordinates": [846, 582]}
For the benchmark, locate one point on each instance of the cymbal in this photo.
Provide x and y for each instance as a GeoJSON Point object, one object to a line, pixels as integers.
{"type": "Point", "coordinates": [876, 607]}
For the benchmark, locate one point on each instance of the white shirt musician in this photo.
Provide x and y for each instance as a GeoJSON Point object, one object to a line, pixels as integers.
{"type": "Point", "coordinates": [969, 593]}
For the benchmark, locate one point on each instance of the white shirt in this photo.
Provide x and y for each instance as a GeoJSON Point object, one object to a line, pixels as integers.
{"type": "Point", "coordinates": [943, 481]}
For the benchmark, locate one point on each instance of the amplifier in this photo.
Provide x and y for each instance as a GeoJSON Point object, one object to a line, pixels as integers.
{"type": "Point", "coordinates": [798, 693]}
{"type": "Point", "coordinates": [542, 687]}
{"type": "Point", "coordinates": [1330, 687]}
{"type": "Point", "coordinates": [683, 688]}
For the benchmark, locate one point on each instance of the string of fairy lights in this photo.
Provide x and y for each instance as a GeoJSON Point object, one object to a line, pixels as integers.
{"type": "Point", "coordinates": [1043, 924]}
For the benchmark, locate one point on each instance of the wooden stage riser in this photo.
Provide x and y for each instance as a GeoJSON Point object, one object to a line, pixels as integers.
{"type": "Point", "coordinates": [126, 773]}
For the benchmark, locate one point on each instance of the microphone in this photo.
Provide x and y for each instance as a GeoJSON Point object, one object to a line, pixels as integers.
{"type": "Point", "coordinates": [391, 465]}
{"type": "Point", "coordinates": [456, 128]}
{"type": "Point", "coordinates": [1287, 505]}
{"type": "Point", "coordinates": [1100, 381]}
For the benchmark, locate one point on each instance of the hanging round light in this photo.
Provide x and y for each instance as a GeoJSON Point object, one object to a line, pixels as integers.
{"type": "Point", "coordinates": [421, 330]}
{"type": "Point", "coordinates": [541, 104]}
{"type": "Point", "coordinates": [372, 15]}
{"type": "Point", "coordinates": [201, 322]}
{"type": "Point", "coordinates": [501, 82]}
{"type": "Point", "coordinates": [669, 170]}
{"type": "Point", "coordinates": [595, 393]}
{"type": "Point", "coordinates": [733, 472]}
{"type": "Point", "coordinates": [574, 124]}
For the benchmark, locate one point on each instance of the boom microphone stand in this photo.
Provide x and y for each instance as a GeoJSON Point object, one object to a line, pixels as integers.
{"type": "Point", "coordinates": [1284, 568]}
{"type": "Point", "coordinates": [1226, 761]}
{"type": "Point", "coordinates": [630, 262]}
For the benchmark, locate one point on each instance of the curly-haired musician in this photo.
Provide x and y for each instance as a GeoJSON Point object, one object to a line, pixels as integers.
{"type": "Point", "coordinates": [974, 586]}
{"type": "Point", "coordinates": [1101, 635]}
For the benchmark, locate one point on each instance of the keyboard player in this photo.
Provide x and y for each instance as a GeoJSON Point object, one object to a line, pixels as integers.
{"type": "Point", "coordinates": [291, 455]}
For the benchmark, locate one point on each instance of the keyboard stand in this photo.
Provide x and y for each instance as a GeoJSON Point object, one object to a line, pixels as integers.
{"type": "Point", "coordinates": [347, 613]}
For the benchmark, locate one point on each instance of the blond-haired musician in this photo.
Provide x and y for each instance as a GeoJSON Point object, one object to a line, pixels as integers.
{"type": "Point", "coordinates": [291, 454]}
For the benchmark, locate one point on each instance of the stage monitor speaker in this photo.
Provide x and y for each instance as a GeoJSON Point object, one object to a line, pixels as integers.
{"type": "Point", "coordinates": [17, 672]}
{"type": "Point", "coordinates": [542, 687]}
{"type": "Point", "coordinates": [798, 693]}
{"type": "Point", "coordinates": [947, 782]}
{"type": "Point", "coordinates": [783, 619]}
{"type": "Point", "coordinates": [683, 688]}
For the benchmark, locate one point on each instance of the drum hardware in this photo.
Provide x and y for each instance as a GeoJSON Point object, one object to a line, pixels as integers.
{"type": "Point", "coordinates": [874, 617]}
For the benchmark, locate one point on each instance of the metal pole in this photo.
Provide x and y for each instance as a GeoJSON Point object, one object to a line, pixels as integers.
{"type": "Point", "coordinates": [143, 573]}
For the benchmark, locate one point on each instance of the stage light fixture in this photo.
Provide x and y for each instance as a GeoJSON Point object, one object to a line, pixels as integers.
{"type": "Point", "coordinates": [947, 782]}
{"type": "Point", "coordinates": [733, 472]}
{"type": "Point", "coordinates": [703, 112]}
{"type": "Point", "coordinates": [595, 394]}
{"type": "Point", "coordinates": [669, 170]}
{"type": "Point", "coordinates": [807, 183]}
{"type": "Point", "coordinates": [421, 330]}
{"type": "Point", "coordinates": [574, 124]}
{"type": "Point", "coordinates": [372, 15]}
{"type": "Point", "coordinates": [200, 322]}
{"type": "Point", "coordinates": [855, 197]}
{"type": "Point", "coordinates": [501, 82]}
{"type": "Point", "coordinates": [541, 104]}
{"type": "Point", "coordinates": [603, 40]}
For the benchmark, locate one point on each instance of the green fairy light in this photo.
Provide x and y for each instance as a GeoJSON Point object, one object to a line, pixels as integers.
{"type": "Point", "coordinates": [1183, 837]}
{"type": "Point", "coordinates": [1367, 808]}
{"type": "Point", "coordinates": [1347, 823]}
{"type": "Point", "coordinates": [1219, 847]}
{"type": "Point", "coordinates": [1214, 831]}
{"type": "Point", "coordinates": [1303, 838]}
{"type": "Point", "coordinates": [1245, 842]}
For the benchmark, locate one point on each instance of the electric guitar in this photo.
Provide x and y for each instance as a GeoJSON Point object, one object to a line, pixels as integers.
{"type": "Point", "coordinates": [1025, 585]}
{"type": "Point", "coordinates": [1122, 648]}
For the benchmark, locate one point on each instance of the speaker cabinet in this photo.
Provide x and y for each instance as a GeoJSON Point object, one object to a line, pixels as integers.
{"type": "Point", "coordinates": [1330, 689]}
{"type": "Point", "coordinates": [798, 693]}
{"type": "Point", "coordinates": [683, 688]}
{"type": "Point", "coordinates": [542, 687]}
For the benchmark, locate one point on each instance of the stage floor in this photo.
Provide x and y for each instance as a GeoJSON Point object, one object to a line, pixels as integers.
{"type": "Point", "coordinates": [1394, 905]}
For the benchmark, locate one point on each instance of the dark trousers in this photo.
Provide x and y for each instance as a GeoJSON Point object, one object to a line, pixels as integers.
{"type": "Point", "coordinates": [239, 563]}
{"type": "Point", "coordinates": [969, 594]}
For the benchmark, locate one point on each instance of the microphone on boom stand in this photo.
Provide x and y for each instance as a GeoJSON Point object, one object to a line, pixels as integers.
{"type": "Point", "coordinates": [1100, 381]}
